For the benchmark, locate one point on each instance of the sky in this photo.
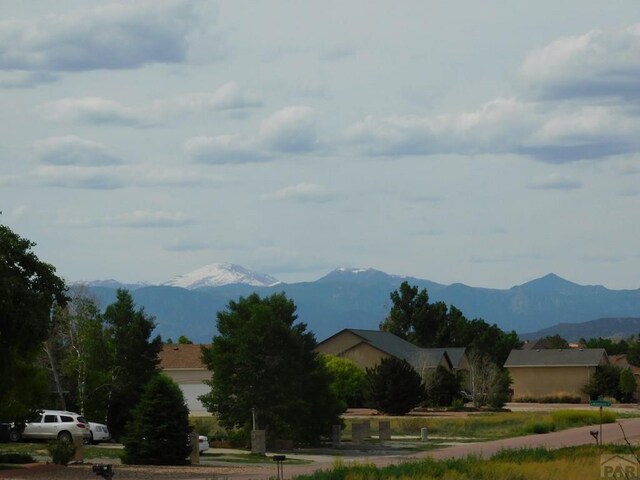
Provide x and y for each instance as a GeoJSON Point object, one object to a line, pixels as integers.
{"type": "Point", "coordinates": [488, 143]}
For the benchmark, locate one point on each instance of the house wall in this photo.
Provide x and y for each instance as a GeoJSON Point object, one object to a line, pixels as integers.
{"type": "Point", "coordinates": [338, 344]}
{"type": "Point", "coordinates": [540, 382]}
{"type": "Point", "coordinates": [191, 382]}
{"type": "Point", "coordinates": [364, 355]}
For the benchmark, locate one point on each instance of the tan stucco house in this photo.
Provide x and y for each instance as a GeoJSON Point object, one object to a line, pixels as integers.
{"type": "Point", "coordinates": [366, 348]}
{"type": "Point", "coordinates": [183, 363]}
{"type": "Point", "coordinates": [553, 372]}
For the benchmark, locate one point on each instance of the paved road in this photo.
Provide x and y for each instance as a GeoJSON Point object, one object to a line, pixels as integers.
{"type": "Point", "coordinates": [612, 433]}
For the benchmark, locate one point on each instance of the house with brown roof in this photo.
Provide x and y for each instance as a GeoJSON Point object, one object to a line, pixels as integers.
{"type": "Point", "coordinates": [544, 373]}
{"type": "Point", "coordinates": [183, 363]}
{"type": "Point", "coordinates": [366, 348]}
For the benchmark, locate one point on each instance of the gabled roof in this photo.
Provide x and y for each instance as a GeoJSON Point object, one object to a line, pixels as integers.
{"type": "Point", "coordinates": [567, 357]}
{"type": "Point", "coordinates": [393, 345]}
{"type": "Point", "coordinates": [455, 355]}
{"type": "Point", "coordinates": [385, 341]}
{"type": "Point", "coordinates": [181, 356]}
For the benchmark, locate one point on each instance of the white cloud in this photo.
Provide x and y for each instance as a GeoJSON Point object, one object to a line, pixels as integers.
{"type": "Point", "coordinates": [555, 182]}
{"type": "Point", "coordinates": [599, 64]}
{"type": "Point", "coordinates": [135, 219]}
{"type": "Point", "coordinates": [71, 150]}
{"type": "Point", "coordinates": [121, 176]}
{"type": "Point", "coordinates": [98, 111]}
{"type": "Point", "coordinates": [145, 219]}
{"type": "Point", "coordinates": [114, 36]}
{"type": "Point", "coordinates": [291, 129]}
{"type": "Point", "coordinates": [584, 133]}
{"type": "Point", "coordinates": [93, 110]}
{"type": "Point", "coordinates": [227, 97]}
{"type": "Point", "coordinates": [302, 192]}
{"type": "Point", "coordinates": [494, 128]}
{"type": "Point", "coordinates": [223, 149]}
{"type": "Point", "coordinates": [71, 176]}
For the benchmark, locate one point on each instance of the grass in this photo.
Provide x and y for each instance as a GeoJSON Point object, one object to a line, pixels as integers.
{"type": "Point", "coordinates": [39, 450]}
{"type": "Point", "coordinates": [574, 463]}
{"type": "Point", "coordinates": [488, 426]}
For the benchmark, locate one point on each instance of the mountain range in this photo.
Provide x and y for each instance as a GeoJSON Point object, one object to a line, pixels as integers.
{"type": "Point", "coordinates": [359, 298]}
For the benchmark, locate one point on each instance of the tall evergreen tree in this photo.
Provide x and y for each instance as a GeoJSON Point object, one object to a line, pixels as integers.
{"type": "Point", "coordinates": [134, 358]}
{"type": "Point", "coordinates": [265, 370]}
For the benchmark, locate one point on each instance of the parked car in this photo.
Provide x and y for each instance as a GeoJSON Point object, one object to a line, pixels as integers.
{"type": "Point", "coordinates": [203, 443]}
{"type": "Point", "coordinates": [98, 433]}
{"type": "Point", "coordinates": [52, 425]}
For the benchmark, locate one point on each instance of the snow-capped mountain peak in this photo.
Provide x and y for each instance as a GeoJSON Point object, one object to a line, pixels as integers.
{"type": "Point", "coordinates": [218, 274]}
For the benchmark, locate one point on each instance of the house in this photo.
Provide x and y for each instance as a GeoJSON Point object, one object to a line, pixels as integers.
{"type": "Point", "coordinates": [183, 363]}
{"type": "Point", "coordinates": [368, 347]}
{"type": "Point", "coordinates": [544, 373]}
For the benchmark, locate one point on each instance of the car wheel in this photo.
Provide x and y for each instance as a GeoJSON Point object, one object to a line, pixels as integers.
{"type": "Point", "coordinates": [14, 435]}
{"type": "Point", "coordinates": [65, 437]}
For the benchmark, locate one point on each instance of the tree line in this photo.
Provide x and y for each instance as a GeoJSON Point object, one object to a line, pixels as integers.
{"type": "Point", "coordinates": [58, 348]}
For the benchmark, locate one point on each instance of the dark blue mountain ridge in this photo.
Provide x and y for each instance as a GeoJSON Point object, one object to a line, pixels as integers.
{"type": "Point", "coordinates": [360, 299]}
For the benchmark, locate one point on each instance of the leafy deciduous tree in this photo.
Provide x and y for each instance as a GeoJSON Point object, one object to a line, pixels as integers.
{"type": "Point", "coordinates": [265, 368]}
{"type": "Point", "coordinates": [489, 384]}
{"type": "Point", "coordinates": [29, 289]}
{"type": "Point", "coordinates": [413, 318]}
{"type": "Point", "coordinates": [553, 341]}
{"type": "Point", "coordinates": [348, 380]}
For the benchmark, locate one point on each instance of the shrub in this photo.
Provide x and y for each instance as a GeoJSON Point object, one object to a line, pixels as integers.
{"type": "Point", "coordinates": [158, 433]}
{"type": "Point", "coordinates": [394, 387]}
{"type": "Point", "coordinates": [61, 452]}
{"type": "Point", "coordinates": [442, 388]}
{"type": "Point", "coordinates": [540, 427]}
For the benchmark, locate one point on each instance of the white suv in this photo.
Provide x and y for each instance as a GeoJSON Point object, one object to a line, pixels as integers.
{"type": "Point", "coordinates": [52, 425]}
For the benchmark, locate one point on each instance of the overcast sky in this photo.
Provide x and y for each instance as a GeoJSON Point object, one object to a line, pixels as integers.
{"type": "Point", "coordinates": [487, 143]}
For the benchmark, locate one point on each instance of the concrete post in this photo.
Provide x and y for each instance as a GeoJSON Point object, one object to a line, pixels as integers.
{"type": "Point", "coordinates": [336, 436]}
{"type": "Point", "coordinates": [258, 442]}
{"type": "Point", "coordinates": [384, 430]}
{"type": "Point", "coordinates": [78, 443]}
{"type": "Point", "coordinates": [366, 426]}
{"type": "Point", "coordinates": [194, 456]}
{"type": "Point", "coordinates": [357, 433]}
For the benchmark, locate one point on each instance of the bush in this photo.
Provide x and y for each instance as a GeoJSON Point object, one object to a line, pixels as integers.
{"type": "Point", "coordinates": [61, 452]}
{"type": "Point", "coordinates": [443, 388]}
{"type": "Point", "coordinates": [159, 431]}
{"type": "Point", "coordinates": [540, 427]}
{"type": "Point", "coordinates": [16, 458]}
{"type": "Point", "coordinates": [394, 387]}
